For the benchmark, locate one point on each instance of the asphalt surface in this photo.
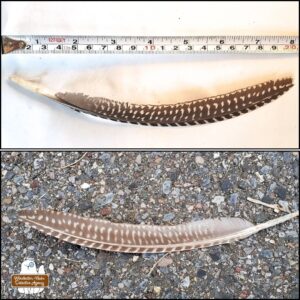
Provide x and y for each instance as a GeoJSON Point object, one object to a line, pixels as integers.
{"type": "Point", "coordinates": [153, 188]}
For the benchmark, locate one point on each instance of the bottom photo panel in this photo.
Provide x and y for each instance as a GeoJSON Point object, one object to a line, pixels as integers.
{"type": "Point", "coordinates": [173, 225]}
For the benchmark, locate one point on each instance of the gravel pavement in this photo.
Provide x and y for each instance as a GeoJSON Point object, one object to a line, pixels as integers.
{"type": "Point", "coordinates": [153, 188]}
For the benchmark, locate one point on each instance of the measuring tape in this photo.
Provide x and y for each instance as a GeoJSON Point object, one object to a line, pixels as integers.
{"type": "Point", "coordinates": [46, 44]}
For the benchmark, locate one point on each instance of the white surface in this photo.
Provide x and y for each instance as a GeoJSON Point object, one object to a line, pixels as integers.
{"type": "Point", "coordinates": [29, 120]}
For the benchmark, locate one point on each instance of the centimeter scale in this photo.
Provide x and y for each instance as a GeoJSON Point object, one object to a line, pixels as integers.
{"type": "Point", "coordinates": [64, 44]}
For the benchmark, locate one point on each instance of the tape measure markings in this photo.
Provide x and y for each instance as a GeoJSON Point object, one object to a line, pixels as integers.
{"type": "Point", "coordinates": [151, 44]}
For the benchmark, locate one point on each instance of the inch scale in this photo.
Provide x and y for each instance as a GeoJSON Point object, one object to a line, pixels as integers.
{"type": "Point", "coordinates": [65, 44]}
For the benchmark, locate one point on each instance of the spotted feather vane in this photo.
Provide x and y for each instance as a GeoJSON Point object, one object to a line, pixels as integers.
{"type": "Point", "coordinates": [200, 111]}
{"type": "Point", "coordinates": [105, 235]}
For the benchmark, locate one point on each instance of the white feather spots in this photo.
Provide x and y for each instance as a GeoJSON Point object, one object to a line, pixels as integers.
{"type": "Point", "coordinates": [47, 219]}
{"type": "Point", "coordinates": [95, 236]}
{"type": "Point", "coordinates": [69, 222]}
{"type": "Point", "coordinates": [208, 108]}
{"type": "Point", "coordinates": [115, 233]}
{"type": "Point", "coordinates": [89, 227]}
{"type": "Point", "coordinates": [109, 230]}
{"type": "Point", "coordinates": [40, 217]}
{"type": "Point", "coordinates": [82, 226]}
{"type": "Point", "coordinates": [53, 220]}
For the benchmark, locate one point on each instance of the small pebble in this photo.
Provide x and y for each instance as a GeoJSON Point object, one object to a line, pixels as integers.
{"type": "Point", "coordinates": [145, 216]}
{"type": "Point", "coordinates": [168, 217]}
{"type": "Point", "coordinates": [199, 160]}
{"type": "Point", "coordinates": [157, 290]}
{"type": "Point", "coordinates": [186, 282]}
{"type": "Point", "coordinates": [51, 267]}
{"type": "Point", "coordinates": [73, 285]}
{"type": "Point", "coordinates": [48, 252]}
{"type": "Point", "coordinates": [218, 200]}
{"type": "Point", "coordinates": [18, 179]}
{"type": "Point", "coordinates": [226, 185]}
{"type": "Point", "coordinates": [265, 170]}
{"type": "Point", "coordinates": [266, 253]}
{"type": "Point", "coordinates": [60, 271]}
{"type": "Point", "coordinates": [34, 184]}
{"type": "Point", "coordinates": [105, 211]}
{"type": "Point", "coordinates": [166, 188]}
{"type": "Point", "coordinates": [85, 186]}
{"type": "Point", "coordinates": [135, 258]}
{"type": "Point", "coordinates": [120, 285]}
{"type": "Point", "coordinates": [281, 192]}
{"type": "Point", "coordinates": [201, 273]}
{"type": "Point", "coordinates": [233, 199]}
{"type": "Point", "coordinates": [7, 200]}
{"type": "Point", "coordinates": [215, 256]}
{"type": "Point", "coordinates": [38, 163]}
{"type": "Point", "coordinates": [72, 179]}
{"type": "Point", "coordinates": [138, 159]}
{"type": "Point", "coordinates": [6, 219]}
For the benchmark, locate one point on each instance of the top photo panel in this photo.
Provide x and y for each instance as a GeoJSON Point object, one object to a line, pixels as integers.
{"type": "Point", "coordinates": [150, 75]}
